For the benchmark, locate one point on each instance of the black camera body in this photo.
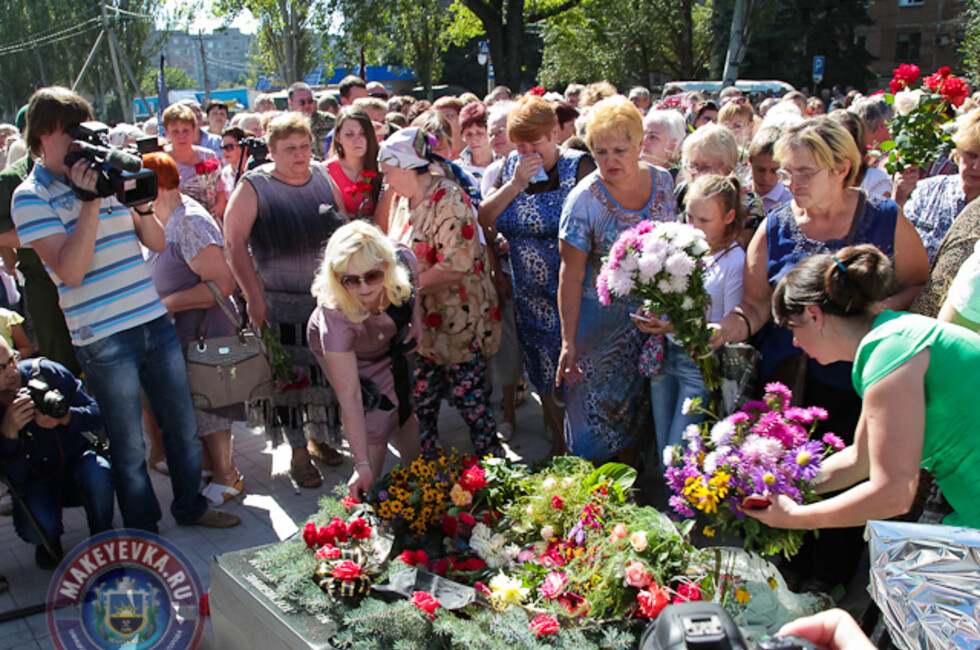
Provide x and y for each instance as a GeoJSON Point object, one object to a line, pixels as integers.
{"type": "Point", "coordinates": [700, 625]}
{"type": "Point", "coordinates": [48, 401]}
{"type": "Point", "coordinates": [120, 171]}
{"type": "Point", "coordinates": [256, 149]}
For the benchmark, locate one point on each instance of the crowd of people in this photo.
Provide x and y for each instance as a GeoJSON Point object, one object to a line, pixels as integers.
{"type": "Point", "coordinates": [439, 250]}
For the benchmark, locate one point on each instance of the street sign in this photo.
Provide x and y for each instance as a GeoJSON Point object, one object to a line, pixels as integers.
{"type": "Point", "coordinates": [818, 65]}
{"type": "Point", "coordinates": [484, 52]}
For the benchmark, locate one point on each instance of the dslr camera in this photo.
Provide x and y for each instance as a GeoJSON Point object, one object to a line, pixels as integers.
{"type": "Point", "coordinates": [699, 625]}
{"type": "Point", "coordinates": [120, 171]}
{"type": "Point", "coordinates": [48, 401]}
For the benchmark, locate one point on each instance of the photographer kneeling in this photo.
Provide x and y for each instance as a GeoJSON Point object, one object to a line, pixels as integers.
{"type": "Point", "coordinates": [46, 458]}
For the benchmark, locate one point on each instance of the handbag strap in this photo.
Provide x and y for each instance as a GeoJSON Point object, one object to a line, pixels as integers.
{"type": "Point", "coordinates": [239, 327]}
{"type": "Point", "coordinates": [856, 219]}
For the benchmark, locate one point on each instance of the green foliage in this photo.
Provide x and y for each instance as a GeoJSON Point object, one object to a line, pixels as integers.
{"type": "Point", "coordinates": [285, 34]}
{"type": "Point", "coordinates": [918, 137]}
{"type": "Point", "coordinates": [971, 41]}
{"type": "Point", "coordinates": [175, 78]}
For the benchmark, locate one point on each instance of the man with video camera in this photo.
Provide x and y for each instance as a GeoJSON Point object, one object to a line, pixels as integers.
{"type": "Point", "coordinates": [90, 244]}
{"type": "Point", "coordinates": [46, 459]}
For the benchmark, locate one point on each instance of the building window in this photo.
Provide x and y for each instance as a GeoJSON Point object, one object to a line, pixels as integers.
{"type": "Point", "coordinates": [911, 3]}
{"type": "Point", "coordinates": [907, 47]}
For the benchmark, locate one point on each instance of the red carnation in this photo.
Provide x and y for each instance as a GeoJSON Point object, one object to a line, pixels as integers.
{"type": "Point", "coordinates": [310, 534]}
{"type": "Point", "coordinates": [346, 570]}
{"type": "Point", "coordinates": [325, 537]}
{"type": "Point", "coordinates": [538, 90]}
{"type": "Point", "coordinates": [338, 529]}
{"type": "Point", "coordinates": [327, 552]}
{"type": "Point", "coordinates": [426, 602]}
{"type": "Point", "coordinates": [467, 231]}
{"type": "Point", "coordinates": [471, 564]}
{"type": "Point", "coordinates": [367, 173]}
{"type": "Point", "coordinates": [557, 503]}
{"type": "Point", "coordinates": [439, 567]}
{"type": "Point", "coordinates": [652, 600]}
{"type": "Point", "coordinates": [688, 591]}
{"type": "Point", "coordinates": [450, 525]}
{"type": "Point", "coordinates": [432, 320]}
{"type": "Point", "coordinates": [473, 479]}
{"type": "Point", "coordinates": [414, 558]}
{"type": "Point", "coordinates": [358, 529]}
{"type": "Point", "coordinates": [349, 502]}
{"type": "Point", "coordinates": [467, 519]}
{"type": "Point", "coordinates": [542, 625]}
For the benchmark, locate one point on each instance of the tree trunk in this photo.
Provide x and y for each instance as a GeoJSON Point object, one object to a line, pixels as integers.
{"type": "Point", "coordinates": [204, 69]}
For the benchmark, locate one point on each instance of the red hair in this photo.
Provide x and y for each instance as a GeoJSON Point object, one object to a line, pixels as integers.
{"type": "Point", "coordinates": [473, 114]}
{"type": "Point", "coordinates": [168, 178]}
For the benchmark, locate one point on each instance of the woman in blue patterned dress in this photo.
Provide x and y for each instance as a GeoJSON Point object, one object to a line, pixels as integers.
{"type": "Point", "coordinates": [526, 212]}
{"type": "Point", "coordinates": [606, 403]}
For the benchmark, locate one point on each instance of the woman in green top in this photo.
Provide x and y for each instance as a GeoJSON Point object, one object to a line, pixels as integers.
{"type": "Point", "coordinates": [917, 378]}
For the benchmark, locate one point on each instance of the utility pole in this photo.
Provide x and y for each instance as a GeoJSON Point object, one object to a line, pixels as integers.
{"type": "Point", "coordinates": [124, 103]}
{"type": "Point", "coordinates": [736, 42]}
{"type": "Point", "coordinates": [204, 69]}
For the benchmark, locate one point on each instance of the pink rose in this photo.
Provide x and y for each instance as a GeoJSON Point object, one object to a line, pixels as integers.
{"type": "Point", "coordinates": [637, 575]}
{"type": "Point", "coordinates": [553, 585]}
{"type": "Point", "coordinates": [619, 531]}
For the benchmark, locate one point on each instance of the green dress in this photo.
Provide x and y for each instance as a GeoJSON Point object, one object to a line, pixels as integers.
{"type": "Point", "coordinates": [951, 443]}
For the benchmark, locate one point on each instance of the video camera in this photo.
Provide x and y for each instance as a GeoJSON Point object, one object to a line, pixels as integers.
{"type": "Point", "coordinates": [700, 625]}
{"type": "Point", "coordinates": [120, 171]}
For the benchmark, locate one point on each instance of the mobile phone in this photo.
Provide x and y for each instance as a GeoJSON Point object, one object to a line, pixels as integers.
{"type": "Point", "coordinates": [756, 502]}
{"type": "Point", "coordinates": [640, 317]}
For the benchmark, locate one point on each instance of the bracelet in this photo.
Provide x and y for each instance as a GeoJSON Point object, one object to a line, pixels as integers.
{"type": "Point", "coordinates": [363, 462]}
{"type": "Point", "coordinates": [745, 318]}
{"type": "Point", "coordinates": [144, 214]}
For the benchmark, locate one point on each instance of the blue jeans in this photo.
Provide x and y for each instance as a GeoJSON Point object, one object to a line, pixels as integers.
{"type": "Point", "coordinates": [85, 480]}
{"type": "Point", "coordinates": [678, 380]}
{"type": "Point", "coordinates": [115, 368]}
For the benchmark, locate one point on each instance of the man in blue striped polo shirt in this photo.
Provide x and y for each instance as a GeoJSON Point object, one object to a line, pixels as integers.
{"type": "Point", "coordinates": [120, 329]}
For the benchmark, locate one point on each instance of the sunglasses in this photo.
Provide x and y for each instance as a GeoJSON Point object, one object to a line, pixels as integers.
{"type": "Point", "coordinates": [228, 147]}
{"type": "Point", "coordinates": [371, 278]}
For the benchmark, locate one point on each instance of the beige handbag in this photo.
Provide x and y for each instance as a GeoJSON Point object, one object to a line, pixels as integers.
{"type": "Point", "coordinates": [226, 370]}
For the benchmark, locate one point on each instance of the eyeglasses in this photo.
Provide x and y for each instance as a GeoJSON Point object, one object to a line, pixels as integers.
{"type": "Point", "coordinates": [501, 131]}
{"type": "Point", "coordinates": [800, 179]}
{"type": "Point", "coordinates": [11, 362]}
{"type": "Point", "coordinates": [228, 147]}
{"type": "Point", "coordinates": [371, 278]}
{"type": "Point", "coordinates": [696, 169]}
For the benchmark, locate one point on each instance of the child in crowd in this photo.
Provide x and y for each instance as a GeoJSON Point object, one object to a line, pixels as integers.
{"type": "Point", "coordinates": [765, 182]}
{"type": "Point", "coordinates": [715, 206]}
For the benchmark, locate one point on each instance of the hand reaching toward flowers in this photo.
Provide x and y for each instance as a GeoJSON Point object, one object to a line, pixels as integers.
{"type": "Point", "coordinates": [360, 482]}
{"type": "Point", "coordinates": [904, 183]}
{"type": "Point", "coordinates": [778, 515]}
{"type": "Point", "coordinates": [833, 629]}
{"type": "Point", "coordinates": [652, 325]}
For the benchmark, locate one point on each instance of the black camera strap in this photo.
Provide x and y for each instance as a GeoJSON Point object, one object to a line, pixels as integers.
{"type": "Point", "coordinates": [81, 193]}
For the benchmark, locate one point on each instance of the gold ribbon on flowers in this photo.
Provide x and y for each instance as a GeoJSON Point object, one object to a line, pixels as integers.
{"type": "Point", "coordinates": [349, 575]}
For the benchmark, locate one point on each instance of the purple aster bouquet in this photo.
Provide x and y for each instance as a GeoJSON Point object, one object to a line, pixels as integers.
{"type": "Point", "coordinates": [661, 264]}
{"type": "Point", "coordinates": [762, 451]}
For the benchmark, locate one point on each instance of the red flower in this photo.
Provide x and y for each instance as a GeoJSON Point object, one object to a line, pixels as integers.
{"type": "Point", "coordinates": [467, 231]}
{"type": "Point", "coordinates": [432, 320]}
{"type": "Point", "coordinates": [358, 529]}
{"type": "Point", "coordinates": [439, 567]}
{"type": "Point", "coordinates": [495, 313]}
{"type": "Point", "coordinates": [208, 166]}
{"type": "Point", "coordinates": [426, 602]}
{"type": "Point", "coordinates": [367, 173]}
{"type": "Point", "coordinates": [467, 519]}
{"type": "Point", "coordinates": [482, 588]}
{"type": "Point", "coordinates": [557, 503]}
{"type": "Point", "coordinates": [470, 461]}
{"type": "Point", "coordinates": [338, 529]}
{"type": "Point", "coordinates": [538, 90]}
{"type": "Point", "coordinates": [652, 600]}
{"type": "Point", "coordinates": [450, 525]}
{"type": "Point", "coordinates": [349, 502]}
{"type": "Point", "coordinates": [471, 564]}
{"type": "Point", "coordinates": [346, 570]}
{"type": "Point", "coordinates": [688, 591]}
{"type": "Point", "coordinates": [953, 89]}
{"type": "Point", "coordinates": [327, 552]}
{"type": "Point", "coordinates": [437, 196]}
{"type": "Point", "coordinates": [310, 534]}
{"type": "Point", "coordinates": [204, 605]}
{"type": "Point", "coordinates": [414, 558]}
{"type": "Point", "coordinates": [905, 76]}
{"type": "Point", "coordinates": [542, 625]}
{"type": "Point", "coordinates": [473, 479]}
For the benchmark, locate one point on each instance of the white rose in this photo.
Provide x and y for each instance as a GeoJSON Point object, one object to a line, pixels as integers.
{"type": "Point", "coordinates": [547, 532]}
{"type": "Point", "coordinates": [548, 483]}
{"type": "Point", "coordinates": [906, 101]}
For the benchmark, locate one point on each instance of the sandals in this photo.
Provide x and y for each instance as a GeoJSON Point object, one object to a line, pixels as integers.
{"type": "Point", "coordinates": [306, 475]}
{"type": "Point", "coordinates": [325, 454]}
{"type": "Point", "coordinates": [218, 495]}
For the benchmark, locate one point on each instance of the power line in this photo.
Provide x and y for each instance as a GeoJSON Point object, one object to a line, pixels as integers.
{"type": "Point", "coordinates": [56, 37]}
{"type": "Point", "coordinates": [129, 13]}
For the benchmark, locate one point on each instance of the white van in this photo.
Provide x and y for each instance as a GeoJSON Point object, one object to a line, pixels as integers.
{"type": "Point", "coordinates": [747, 86]}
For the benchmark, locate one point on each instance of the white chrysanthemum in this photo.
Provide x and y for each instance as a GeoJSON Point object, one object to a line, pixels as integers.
{"type": "Point", "coordinates": [620, 282]}
{"type": "Point", "coordinates": [678, 284]}
{"type": "Point", "coordinates": [722, 432]}
{"type": "Point", "coordinates": [668, 455]}
{"type": "Point", "coordinates": [688, 303]}
{"type": "Point", "coordinates": [548, 483]}
{"type": "Point", "coordinates": [680, 265]}
{"type": "Point", "coordinates": [665, 286]}
{"type": "Point", "coordinates": [711, 462]}
{"type": "Point", "coordinates": [655, 246]}
{"type": "Point", "coordinates": [629, 263]}
{"type": "Point", "coordinates": [700, 247]}
{"type": "Point", "coordinates": [650, 265]}
{"type": "Point", "coordinates": [686, 406]}
{"type": "Point", "coordinates": [691, 432]}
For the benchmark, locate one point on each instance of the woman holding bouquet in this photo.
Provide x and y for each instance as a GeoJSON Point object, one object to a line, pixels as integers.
{"type": "Point", "coordinates": [432, 213]}
{"type": "Point", "coordinates": [606, 405]}
{"type": "Point", "coordinates": [917, 378]}
{"type": "Point", "coordinates": [365, 317]}
{"type": "Point", "coordinates": [819, 161]}
{"type": "Point", "coordinates": [200, 169]}
{"type": "Point", "coordinates": [353, 164]}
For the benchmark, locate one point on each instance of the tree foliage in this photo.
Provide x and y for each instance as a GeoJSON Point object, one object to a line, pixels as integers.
{"type": "Point", "coordinates": [971, 41]}
{"type": "Point", "coordinates": [175, 78]}
{"type": "Point", "coordinates": [45, 42]}
{"type": "Point", "coordinates": [625, 41]}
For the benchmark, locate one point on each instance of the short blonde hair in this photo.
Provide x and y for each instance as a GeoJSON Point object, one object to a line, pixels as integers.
{"type": "Point", "coordinates": [614, 117]}
{"type": "Point", "coordinates": [595, 93]}
{"type": "Point", "coordinates": [178, 113]}
{"type": "Point", "coordinates": [286, 125]}
{"type": "Point", "coordinates": [830, 144]}
{"type": "Point", "coordinates": [714, 140]}
{"type": "Point", "coordinates": [968, 131]}
{"type": "Point", "coordinates": [733, 110]}
{"type": "Point", "coordinates": [365, 245]}
{"type": "Point", "coordinates": [532, 118]}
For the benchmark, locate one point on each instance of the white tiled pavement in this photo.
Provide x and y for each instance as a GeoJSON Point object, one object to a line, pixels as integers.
{"type": "Point", "coordinates": [271, 510]}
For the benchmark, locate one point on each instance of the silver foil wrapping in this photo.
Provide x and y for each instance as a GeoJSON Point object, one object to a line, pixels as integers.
{"type": "Point", "coordinates": [925, 578]}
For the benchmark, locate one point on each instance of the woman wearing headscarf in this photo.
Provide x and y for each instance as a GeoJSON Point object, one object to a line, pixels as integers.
{"type": "Point", "coordinates": [433, 214]}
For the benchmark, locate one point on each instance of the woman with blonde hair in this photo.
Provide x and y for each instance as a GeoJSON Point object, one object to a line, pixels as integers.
{"type": "Point", "coordinates": [606, 397]}
{"type": "Point", "coordinates": [366, 318]}
{"type": "Point", "coordinates": [205, 187]}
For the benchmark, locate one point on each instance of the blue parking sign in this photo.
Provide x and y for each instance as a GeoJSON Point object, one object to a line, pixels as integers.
{"type": "Point", "coordinates": [818, 64]}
